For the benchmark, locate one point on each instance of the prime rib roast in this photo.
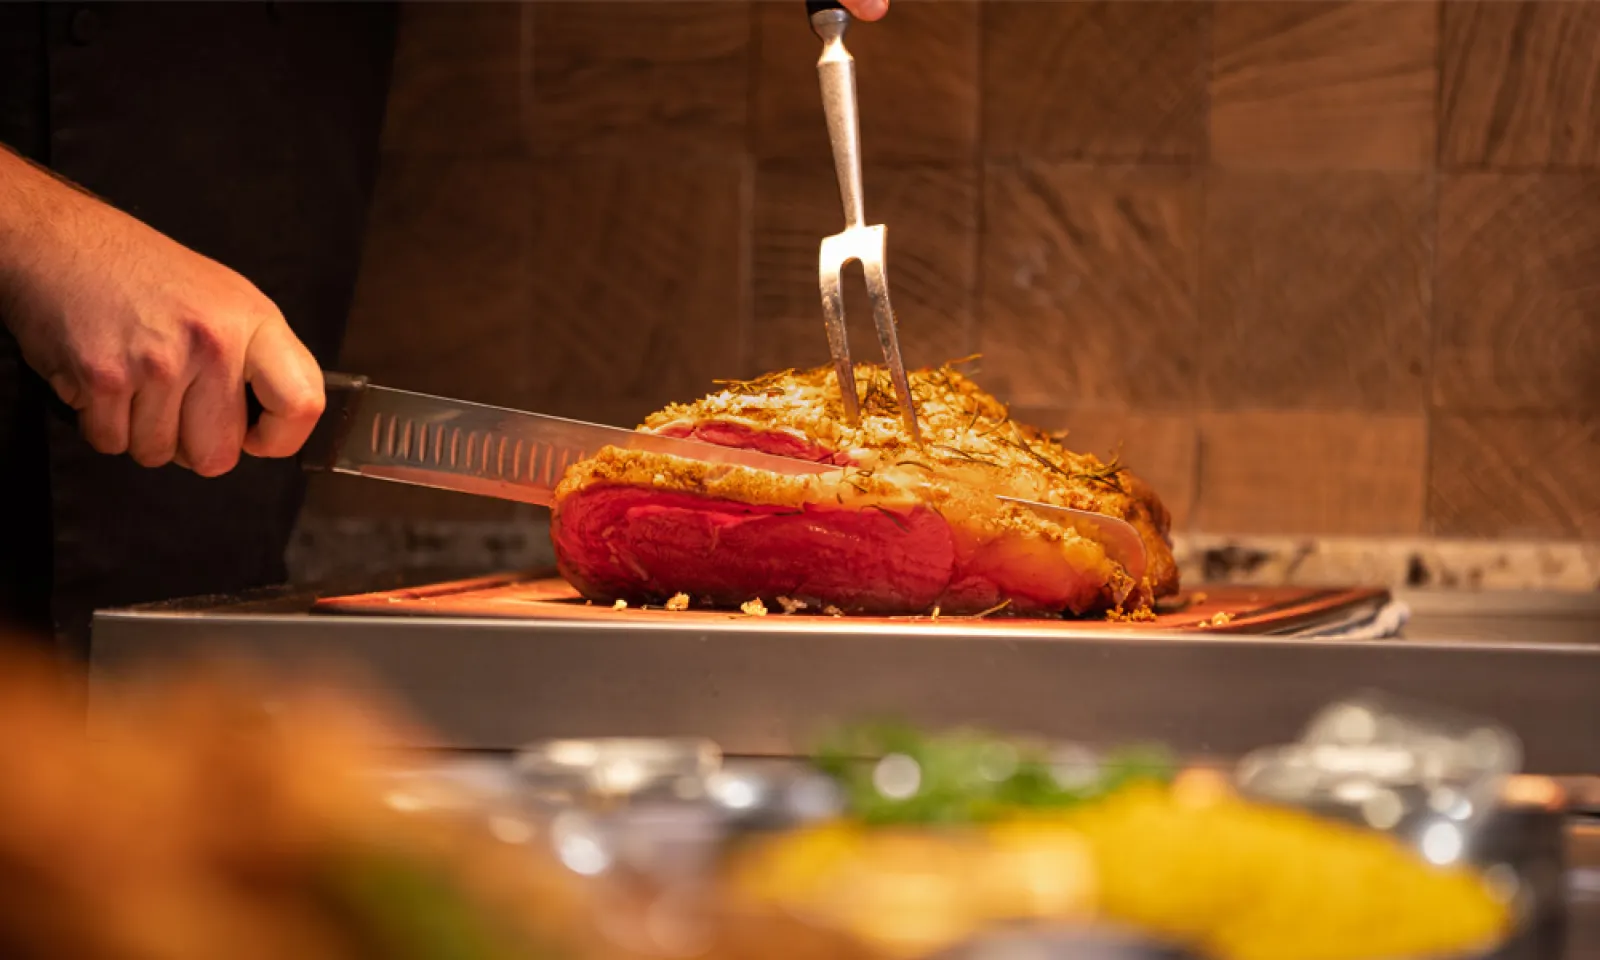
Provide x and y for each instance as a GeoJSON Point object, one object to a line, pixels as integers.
{"type": "Point", "coordinates": [904, 529]}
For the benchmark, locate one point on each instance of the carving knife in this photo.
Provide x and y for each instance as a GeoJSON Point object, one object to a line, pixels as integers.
{"type": "Point", "coordinates": [429, 441]}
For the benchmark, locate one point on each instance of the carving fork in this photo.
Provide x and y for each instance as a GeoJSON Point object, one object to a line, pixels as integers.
{"type": "Point", "coordinates": [867, 244]}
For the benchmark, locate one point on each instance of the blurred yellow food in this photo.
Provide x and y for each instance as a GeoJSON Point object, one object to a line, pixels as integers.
{"type": "Point", "coordinates": [1035, 871]}
{"type": "Point", "coordinates": [1243, 881]}
{"type": "Point", "coordinates": [910, 892]}
{"type": "Point", "coordinates": [1191, 865]}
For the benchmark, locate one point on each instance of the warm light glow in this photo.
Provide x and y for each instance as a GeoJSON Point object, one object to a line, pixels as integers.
{"type": "Point", "coordinates": [1442, 843]}
{"type": "Point", "coordinates": [897, 776]}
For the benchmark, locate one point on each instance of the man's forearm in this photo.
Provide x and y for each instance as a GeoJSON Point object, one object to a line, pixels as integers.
{"type": "Point", "coordinates": [36, 210]}
{"type": "Point", "coordinates": [24, 189]}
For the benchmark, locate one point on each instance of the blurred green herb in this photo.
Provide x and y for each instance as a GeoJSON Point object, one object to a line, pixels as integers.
{"type": "Point", "coordinates": [972, 776]}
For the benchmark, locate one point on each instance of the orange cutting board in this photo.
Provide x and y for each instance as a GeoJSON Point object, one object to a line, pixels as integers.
{"type": "Point", "coordinates": [1220, 609]}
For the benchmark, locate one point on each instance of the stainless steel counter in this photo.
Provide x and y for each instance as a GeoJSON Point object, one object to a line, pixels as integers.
{"type": "Point", "coordinates": [1540, 617]}
{"type": "Point", "coordinates": [764, 688]}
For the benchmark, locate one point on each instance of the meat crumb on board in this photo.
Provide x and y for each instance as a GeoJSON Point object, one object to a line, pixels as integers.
{"type": "Point", "coordinates": [1219, 620]}
{"type": "Point", "coordinates": [754, 608]}
{"type": "Point", "coordinates": [1137, 615]}
{"type": "Point", "coordinates": [679, 601]}
{"type": "Point", "coordinates": [620, 605]}
{"type": "Point", "coordinates": [791, 605]}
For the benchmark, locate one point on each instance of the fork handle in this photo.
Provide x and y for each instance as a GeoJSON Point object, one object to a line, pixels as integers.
{"type": "Point", "coordinates": [836, 69]}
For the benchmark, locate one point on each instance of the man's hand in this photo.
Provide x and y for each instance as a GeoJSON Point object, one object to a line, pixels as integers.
{"type": "Point", "coordinates": [149, 341]}
{"type": "Point", "coordinates": [866, 9]}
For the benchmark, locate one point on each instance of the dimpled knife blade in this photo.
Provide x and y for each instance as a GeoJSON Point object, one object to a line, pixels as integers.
{"type": "Point", "coordinates": [430, 441]}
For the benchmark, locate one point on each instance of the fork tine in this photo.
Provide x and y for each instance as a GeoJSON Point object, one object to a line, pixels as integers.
{"type": "Point", "coordinates": [829, 265]}
{"type": "Point", "coordinates": [876, 273]}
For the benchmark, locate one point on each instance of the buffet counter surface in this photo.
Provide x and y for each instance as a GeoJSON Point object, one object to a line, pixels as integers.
{"type": "Point", "coordinates": [762, 686]}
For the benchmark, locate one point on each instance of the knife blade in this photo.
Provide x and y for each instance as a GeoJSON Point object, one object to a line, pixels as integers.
{"type": "Point", "coordinates": [430, 441]}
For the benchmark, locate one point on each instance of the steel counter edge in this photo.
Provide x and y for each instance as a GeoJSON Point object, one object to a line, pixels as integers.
{"type": "Point", "coordinates": [766, 686]}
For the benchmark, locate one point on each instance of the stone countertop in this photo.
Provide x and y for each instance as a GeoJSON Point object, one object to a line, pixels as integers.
{"type": "Point", "coordinates": [326, 548]}
{"type": "Point", "coordinates": [1419, 563]}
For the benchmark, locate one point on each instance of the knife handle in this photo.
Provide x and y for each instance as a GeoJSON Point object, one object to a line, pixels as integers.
{"type": "Point", "coordinates": [343, 383]}
{"type": "Point", "coordinates": [343, 392]}
{"type": "Point", "coordinates": [321, 449]}
{"type": "Point", "coordinates": [339, 387]}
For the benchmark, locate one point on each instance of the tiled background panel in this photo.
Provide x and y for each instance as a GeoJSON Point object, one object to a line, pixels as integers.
{"type": "Point", "coordinates": [626, 77]}
{"type": "Point", "coordinates": [336, 495]}
{"type": "Point", "coordinates": [458, 81]}
{"type": "Point", "coordinates": [1316, 290]}
{"type": "Point", "coordinates": [445, 298]}
{"type": "Point", "coordinates": [1319, 267]}
{"type": "Point", "coordinates": [1518, 476]}
{"type": "Point", "coordinates": [1316, 473]}
{"type": "Point", "coordinates": [1101, 80]}
{"type": "Point", "coordinates": [1519, 292]}
{"type": "Point", "coordinates": [1089, 283]}
{"type": "Point", "coordinates": [638, 289]}
{"type": "Point", "coordinates": [1306, 84]}
{"type": "Point", "coordinates": [1520, 84]}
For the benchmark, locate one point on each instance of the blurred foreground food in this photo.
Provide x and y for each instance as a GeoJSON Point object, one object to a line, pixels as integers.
{"type": "Point", "coordinates": [223, 815]}
{"type": "Point", "coordinates": [220, 814]}
{"type": "Point", "coordinates": [203, 823]}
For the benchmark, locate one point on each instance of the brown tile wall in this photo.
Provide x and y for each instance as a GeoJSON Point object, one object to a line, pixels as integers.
{"type": "Point", "coordinates": [1315, 267]}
